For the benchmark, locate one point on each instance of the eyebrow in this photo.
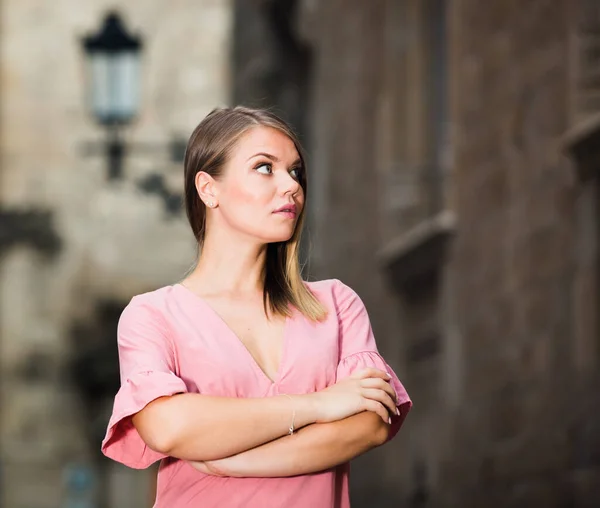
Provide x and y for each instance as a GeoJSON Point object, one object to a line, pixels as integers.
{"type": "Point", "coordinates": [275, 159]}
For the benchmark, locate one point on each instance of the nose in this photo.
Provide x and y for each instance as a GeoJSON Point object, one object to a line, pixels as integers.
{"type": "Point", "coordinates": [289, 185]}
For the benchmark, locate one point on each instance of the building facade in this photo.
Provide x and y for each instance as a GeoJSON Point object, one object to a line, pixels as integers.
{"type": "Point", "coordinates": [454, 184]}
{"type": "Point", "coordinates": [76, 244]}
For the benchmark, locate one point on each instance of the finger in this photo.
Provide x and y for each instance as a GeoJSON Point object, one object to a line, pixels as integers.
{"type": "Point", "coordinates": [380, 396]}
{"type": "Point", "coordinates": [371, 372]}
{"type": "Point", "coordinates": [380, 384]}
{"type": "Point", "coordinates": [377, 407]}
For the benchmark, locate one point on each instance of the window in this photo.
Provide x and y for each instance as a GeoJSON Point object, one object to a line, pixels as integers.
{"type": "Point", "coordinates": [416, 176]}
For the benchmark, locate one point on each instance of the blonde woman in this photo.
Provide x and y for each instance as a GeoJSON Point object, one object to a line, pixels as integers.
{"type": "Point", "coordinates": [254, 388]}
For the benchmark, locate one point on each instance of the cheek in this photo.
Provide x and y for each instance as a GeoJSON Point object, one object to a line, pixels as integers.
{"type": "Point", "coordinates": [247, 196]}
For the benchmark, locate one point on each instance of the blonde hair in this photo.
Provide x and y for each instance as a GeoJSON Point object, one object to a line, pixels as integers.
{"type": "Point", "coordinates": [208, 149]}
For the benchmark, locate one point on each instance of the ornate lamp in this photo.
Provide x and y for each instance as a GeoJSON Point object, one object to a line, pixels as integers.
{"type": "Point", "coordinates": [113, 73]}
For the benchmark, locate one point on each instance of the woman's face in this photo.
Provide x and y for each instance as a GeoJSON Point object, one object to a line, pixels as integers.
{"type": "Point", "coordinates": [259, 193]}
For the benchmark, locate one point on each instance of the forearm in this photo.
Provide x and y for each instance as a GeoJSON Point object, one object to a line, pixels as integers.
{"type": "Point", "coordinates": [312, 449]}
{"type": "Point", "coordinates": [198, 427]}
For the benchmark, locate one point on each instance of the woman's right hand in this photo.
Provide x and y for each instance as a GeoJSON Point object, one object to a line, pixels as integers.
{"type": "Point", "coordinates": [366, 390]}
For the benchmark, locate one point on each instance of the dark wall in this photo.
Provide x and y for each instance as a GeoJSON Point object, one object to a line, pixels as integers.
{"type": "Point", "coordinates": [519, 439]}
{"type": "Point", "coordinates": [271, 63]}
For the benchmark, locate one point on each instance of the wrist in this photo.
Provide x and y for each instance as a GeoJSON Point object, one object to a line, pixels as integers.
{"type": "Point", "coordinates": [306, 407]}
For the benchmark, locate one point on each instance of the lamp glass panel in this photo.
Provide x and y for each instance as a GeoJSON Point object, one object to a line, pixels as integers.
{"type": "Point", "coordinates": [125, 85]}
{"type": "Point", "coordinates": [99, 75]}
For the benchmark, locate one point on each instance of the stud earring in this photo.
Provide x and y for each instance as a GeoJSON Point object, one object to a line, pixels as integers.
{"type": "Point", "coordinates": [211, 204]}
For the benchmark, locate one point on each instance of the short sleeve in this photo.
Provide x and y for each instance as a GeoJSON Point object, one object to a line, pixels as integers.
{"type": "Point", "coordinates": [358, 349]}
{"type": "Point", "coordinates": [146, 364]}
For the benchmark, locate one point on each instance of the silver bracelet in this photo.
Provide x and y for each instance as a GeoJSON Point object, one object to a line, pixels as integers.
{"type": "Point", "coordinates": [291, 428]}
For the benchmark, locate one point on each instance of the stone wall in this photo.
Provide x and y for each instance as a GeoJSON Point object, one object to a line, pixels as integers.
{"type": "Point", "coordinates": [113, 239]}
{"type": "Point", "coordinates": [513, 261]}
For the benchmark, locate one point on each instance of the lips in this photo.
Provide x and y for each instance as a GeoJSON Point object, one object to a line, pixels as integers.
{"type": "Point", "coordinates": [287, 208]}
{"type": "Point", "coordinates": [287, 211]}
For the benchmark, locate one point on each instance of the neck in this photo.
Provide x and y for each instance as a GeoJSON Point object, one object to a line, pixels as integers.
{"type": "Point", "coordinates": [228, 266]}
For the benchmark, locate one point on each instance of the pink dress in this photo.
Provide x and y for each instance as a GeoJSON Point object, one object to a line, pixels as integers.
{"type": "Point", "coordinates": [171, 341]}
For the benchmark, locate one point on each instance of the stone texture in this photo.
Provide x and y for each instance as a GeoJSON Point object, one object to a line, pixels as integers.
{"type": "Point", "coordinates": [515, 255]}
{"type": "Point", "coordinates": [116, 240]}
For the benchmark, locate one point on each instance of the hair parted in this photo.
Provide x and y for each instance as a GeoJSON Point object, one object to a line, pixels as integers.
{"type": "Point", "coordinates": [208, 150]}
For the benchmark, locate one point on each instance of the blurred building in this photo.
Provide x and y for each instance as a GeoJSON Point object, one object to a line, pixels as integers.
{"type": "Point", "coordinates": [79, 236]}
{"type": "Point", "coordinates": [455, 185]}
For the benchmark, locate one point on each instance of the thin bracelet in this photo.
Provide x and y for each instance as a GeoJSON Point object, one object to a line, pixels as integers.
{"type": "Point", "coordinates": [291, 429]}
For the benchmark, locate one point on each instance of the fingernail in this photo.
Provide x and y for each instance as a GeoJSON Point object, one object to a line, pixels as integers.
{"type": "Point", "coordinates": [388, 375]}
{"type": "Point", "coordinates": [390, 420]}
{"type": "Point", "coordinates": [398, 411]}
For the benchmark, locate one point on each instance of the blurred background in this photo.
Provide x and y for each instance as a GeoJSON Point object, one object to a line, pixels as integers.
{"type": "Point", "coordinates": [454, 171]}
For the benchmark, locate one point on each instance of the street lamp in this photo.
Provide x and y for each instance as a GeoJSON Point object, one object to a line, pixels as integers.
{"type": "Point", "coordinates": [113, 73]}
{"type": "Point", "coordinates": [113, 78]}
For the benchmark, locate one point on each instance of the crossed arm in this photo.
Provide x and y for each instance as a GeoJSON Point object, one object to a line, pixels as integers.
{"type": "Point", "coordinates": [312, 449]}
{"type": "Point", "coordinates": [246, 437]}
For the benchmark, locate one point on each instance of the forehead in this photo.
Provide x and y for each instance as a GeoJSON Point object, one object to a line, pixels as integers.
{"type": "Point", "coordinates": [267, 140]}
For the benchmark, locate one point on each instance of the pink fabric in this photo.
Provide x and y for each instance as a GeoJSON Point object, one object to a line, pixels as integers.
{"type": "Point", "coordinates": [171, 341]}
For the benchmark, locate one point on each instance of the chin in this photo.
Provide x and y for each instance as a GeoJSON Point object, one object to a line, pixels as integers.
{"type": "Point", "coordinates": [277, 237]}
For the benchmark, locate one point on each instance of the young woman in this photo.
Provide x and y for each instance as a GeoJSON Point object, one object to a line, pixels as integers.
{"type": "Point", "coordinates": [254, 387]}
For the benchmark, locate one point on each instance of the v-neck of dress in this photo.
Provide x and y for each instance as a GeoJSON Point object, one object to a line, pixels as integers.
{"type": "Point", "coordinates": [236, 339]}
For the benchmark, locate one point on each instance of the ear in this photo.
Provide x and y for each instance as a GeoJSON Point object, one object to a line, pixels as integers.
{"type": "Point", "coordinates": [206, 188]}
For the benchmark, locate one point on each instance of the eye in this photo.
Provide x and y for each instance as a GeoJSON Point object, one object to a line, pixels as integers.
{"type": "Point", "coordinates": [264, 168]}
{"type": "Point", "coordinates": [295, 172]}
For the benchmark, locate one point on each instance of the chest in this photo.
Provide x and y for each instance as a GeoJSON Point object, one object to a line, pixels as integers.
{"type": "Point", "coordinates": [230, 350]}
{"type": "Point", "coordinates": [263, 337]}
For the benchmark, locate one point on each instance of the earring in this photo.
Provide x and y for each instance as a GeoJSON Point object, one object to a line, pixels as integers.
{"type": "Point", "coordinates": [211, 204]}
